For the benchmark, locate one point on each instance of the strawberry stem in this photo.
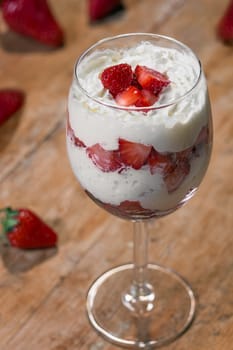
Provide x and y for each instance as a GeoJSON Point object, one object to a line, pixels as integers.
{"type": "Point", "coordinates": [8, 219]}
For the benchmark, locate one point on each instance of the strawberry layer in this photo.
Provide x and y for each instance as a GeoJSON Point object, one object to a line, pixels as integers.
{"type": "Point", "coordinates": [148, 188]}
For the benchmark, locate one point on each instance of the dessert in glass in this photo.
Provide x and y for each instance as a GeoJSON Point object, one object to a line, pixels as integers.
{"type": "Point", "coordinates": [139, 138]}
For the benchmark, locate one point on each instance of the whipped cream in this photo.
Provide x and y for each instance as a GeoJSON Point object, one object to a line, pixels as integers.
{"type": "Point", "coordinates": [167, 129]}
{"type": "Point", "coordinates": [171, 128]}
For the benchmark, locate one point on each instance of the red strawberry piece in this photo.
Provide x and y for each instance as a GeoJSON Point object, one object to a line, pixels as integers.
{"type": "Point", "coordinates": [101, 8]}
{"type": "Point", "coordinates": [185, 154]}
{"type": "Point", "coordinates": [203, 136]}
{"type": "Point", "coordinates": [127, 209]}
{"type": "Point", "coordinates": [128, 97]}
{"type": "Point", "coordinates": [117, 78]}
{"type": "Point", "coordinates": [26, 230]}
{"type": "Point", "coordinates": [133, 154]}
{"type": "Point", "coordinates": [33, 18]}
{"type": "Point", "coordinates": [225, 25]}
{"type": "Point", "coordinates": [159, 162]}
{"type": "Point", "coordinates": [135, 82]}
{"type": "Point", "coordinates": [175, 177]}
{"type": "Point", "coordinates": [150, 79]}
{"type": "Point", "coordinates": [74, 139]}
{"type": "Point", "coordinates": [10, 102]}
{"type": "Point", "coordinates": [105, 160]}
{"type": "Point", "coordinates": [131, 206]}
{"type": "Point", "coordinates": [147, 98]}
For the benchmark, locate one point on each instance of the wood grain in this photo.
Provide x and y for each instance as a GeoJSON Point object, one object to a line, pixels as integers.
{"type": "Point", "coordinates": [42, 293]}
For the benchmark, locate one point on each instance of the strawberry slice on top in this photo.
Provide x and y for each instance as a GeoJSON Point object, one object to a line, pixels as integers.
{"type": "Point", "coordinates": [133, 154]}
{"type": "Point", "coordinates": [151, 79]}
{"type": "Point", "coordinates": [128, 97]}
{"type": "Point", "coordinates": [146, 99]}
{"type": "Point", "coordinates": [132, 96]}
{"type": "Point", "coordinates": [117, 78]}
{"type": "Point", "coordinates": [139, 88]}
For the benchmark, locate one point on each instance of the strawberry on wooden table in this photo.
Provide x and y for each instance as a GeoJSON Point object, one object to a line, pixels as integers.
{"type": "Point", "coordinates": [225, 25]}
{"type": "Point", "coordinates": [99, 9]}
{"type": "Point", "coordinates": [11, 100]}
{"type": "Point", "coordinates": [26, 230]}
{"type": "Point", "coordinates": [33, 18]}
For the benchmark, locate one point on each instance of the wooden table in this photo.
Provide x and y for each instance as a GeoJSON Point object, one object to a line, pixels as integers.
{"type": "Point", "coordinates": [42, 293]}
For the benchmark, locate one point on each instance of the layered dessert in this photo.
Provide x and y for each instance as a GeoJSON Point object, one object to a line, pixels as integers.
{"type": "Point", "coordinates": [138, 132]}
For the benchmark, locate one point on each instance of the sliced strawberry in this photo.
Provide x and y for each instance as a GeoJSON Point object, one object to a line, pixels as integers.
{"type": "Point", "coordinates": [128, 97]}
{"type": "Point", "coordinates": [101, 8]}
{"type": "Point", "coordinates": [159, 162]}
{"type": "Point", "coordinates": [128, 209]}
{"type": "Point", "coordinates": [133, 154]}
{"type": "Point", "coordinates": [117, 78]}
{"type": "Point", "coordinates": [105, 160]}
{"type": "Point", "coordinates": [225, 25]}
{"type": "Point", "coordinates": [11, 101]}
{"type": "Point", "coordinates": [33, 18]}
{"type": "Point", "coordinates": [132, 207]}
{"type": "Point", "coordinates": [147, 98]}
{"type": "Point", "coordinates": [203, 136]}
{"type": "Point", "coordinates": [135, 82]}
{"type": "Point", "coordinates": [185, 154]}
{"type": "Point", "coordinates": [150, 79]}
{"type": "Point", "coordinates": [174, 178]}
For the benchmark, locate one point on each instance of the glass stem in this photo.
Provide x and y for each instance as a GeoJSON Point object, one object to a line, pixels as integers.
{"type": "Point", "coordinates": [140, 253]}
{"type": "Point", "coordinates": [140, 296]}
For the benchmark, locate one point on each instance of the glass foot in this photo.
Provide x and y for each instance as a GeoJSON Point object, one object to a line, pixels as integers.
{"type": "Point", "coordinates": [172, 312]}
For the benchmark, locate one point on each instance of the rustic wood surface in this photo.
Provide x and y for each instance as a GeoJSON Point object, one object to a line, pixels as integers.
{"type": "Point", "coordinates": [42, 293]}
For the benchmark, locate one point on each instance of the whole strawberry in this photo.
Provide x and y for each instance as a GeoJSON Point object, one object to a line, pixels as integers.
{"type": "Point", "coordinates": [26, 230]}
{"type": "Point", "coordinates": [11, 101]}
{"type": "Point", "coordinates": [225, 25]}
{"type": "Point", "coordinates": [33, 18]}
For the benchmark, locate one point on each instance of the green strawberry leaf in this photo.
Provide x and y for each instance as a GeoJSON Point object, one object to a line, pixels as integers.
{"type": "Point", "coordinates": [8, 219]}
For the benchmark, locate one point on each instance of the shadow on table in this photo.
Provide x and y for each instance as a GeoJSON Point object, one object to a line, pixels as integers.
{"type": "Point", "coordinates": [19, 260]}
{"type": "Point", "coordinates": [16, 43]}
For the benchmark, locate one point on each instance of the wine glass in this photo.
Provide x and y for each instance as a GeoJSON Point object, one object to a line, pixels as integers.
{"type": "Point", "coordinates": [140, 305]}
